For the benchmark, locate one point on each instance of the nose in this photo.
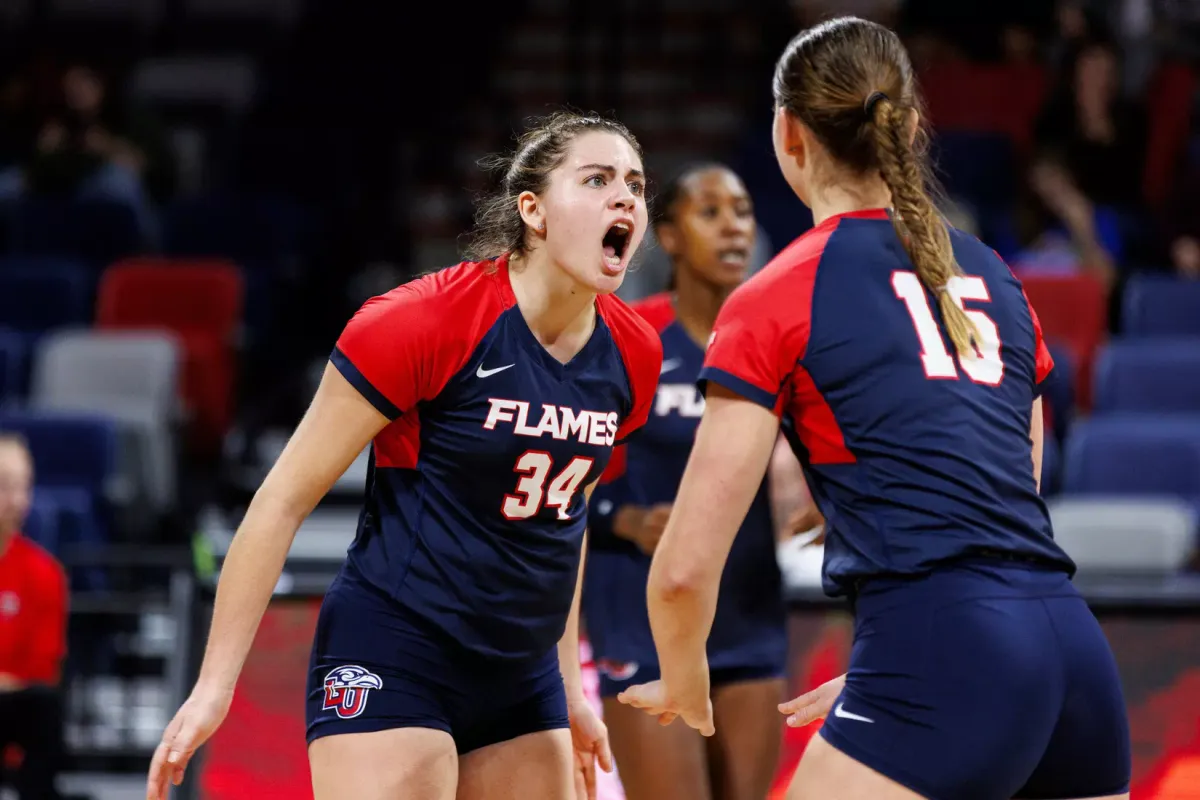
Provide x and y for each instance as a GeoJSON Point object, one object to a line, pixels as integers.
{"type": "Point", "coordinates": [624, 197]}
{"type": "Point", "coordinates": [734, 223]}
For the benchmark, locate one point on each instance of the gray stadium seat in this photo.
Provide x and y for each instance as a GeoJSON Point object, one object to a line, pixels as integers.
{"type": "Point", "coordinates": [130, 376]}
{"type": "Point", "coordinates": [1125, 535]}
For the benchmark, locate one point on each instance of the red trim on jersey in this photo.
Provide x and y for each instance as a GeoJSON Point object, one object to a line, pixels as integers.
{"type": "Point", "coordinates": [816, 426]}
{"type": "Point", "coordinates": [33, 613]}
{"type": "Point", "coordinates": [762, 329]}
{"type": "Point", "coordinates": [657, 309]}
{"type": "Point", "coordinates": [615, 467]}
{"type": "Point", "coordinates": [1044, 361]}
{"type": "Point", "coordinates": [642, 353]}
{"type": "Point", "coordinates": [402, 347]}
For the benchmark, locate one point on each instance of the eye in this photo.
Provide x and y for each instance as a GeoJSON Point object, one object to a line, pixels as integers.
{"type": "Point", "coordinates": [637, 187]}
{"type": "Point", "coordinates": [595, 180]}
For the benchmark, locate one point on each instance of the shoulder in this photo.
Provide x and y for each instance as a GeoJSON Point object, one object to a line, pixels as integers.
{"type": "Point", "coordinates": [657, 309]}
{"type": "Point", "coordinates": [786, 278]}
{"type": "Point", "coordinates": [976, 258]}
{"type": "Point", "coordinates": [635, 336]}
{"type": "Point", "coordinates": [37, 560]}
{"type": "Point", "coordinates": [637, 341]}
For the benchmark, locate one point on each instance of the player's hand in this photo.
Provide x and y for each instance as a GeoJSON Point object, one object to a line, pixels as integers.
{"type": "Point", "coordinates": [197, 719]}
{"type": "Point", "coordinates": [589, 738]}
{"type": "Point", "coordinates": [655, 699]}
{"type": "Point", "coordinates": [643, 526]}
{"type": "Point", "coordinates": [814, 705]}
{"type": "Point", "coordinates": [806, 519]}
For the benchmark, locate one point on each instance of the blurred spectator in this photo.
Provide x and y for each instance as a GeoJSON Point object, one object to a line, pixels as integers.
{"type": "Point", "coordinates": [1182, 220]}
{"type": "Point", "coordinates": [92, 145]}
{"type": "Point", "coordinates": [1088, 167]}
{"type": "Point", "coordinates": [33, 620]}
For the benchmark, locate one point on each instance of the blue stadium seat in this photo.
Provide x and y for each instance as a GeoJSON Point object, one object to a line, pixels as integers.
{"type": "Point", "coordinates": [78, 525]}
{"type": "Point", "coordinates": [13, 367]}
{"type": "Point", "coordinates": [42, 523]}
{"type": "Point", "coordinates": [1134, 455]}
{"type": "Point", "coordinates": [1160, 305]}
{"type": "Point", "coordinates": [1148, 376]}
{"type": "Point", "coordinates": [98, 231]}
{"type": "Point", "coordinates": [70, 451]}
{"type": "Point", "coordinates": [250, 229]}
{"type": "Point", "coordinates": [39, 294]}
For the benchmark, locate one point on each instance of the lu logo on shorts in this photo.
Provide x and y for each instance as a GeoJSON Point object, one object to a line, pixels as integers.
{"type": "Point", "coordinates": [347, 689]}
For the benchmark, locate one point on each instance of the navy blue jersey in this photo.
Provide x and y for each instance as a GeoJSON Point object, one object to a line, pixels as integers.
{"type": "Point", "coordinates": [475, 515]}
{"type": "Point", "coordinates": [914, 455]}
{"type": "Point", "coordinates": [749, 624]}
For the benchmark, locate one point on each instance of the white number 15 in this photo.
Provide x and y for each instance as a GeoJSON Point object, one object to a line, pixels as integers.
{"type": "Point", "coordinates": [986, 366]}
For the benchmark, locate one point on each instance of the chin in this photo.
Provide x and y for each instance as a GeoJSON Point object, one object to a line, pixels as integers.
{"type": "Point", "coordinates": [606, 284]}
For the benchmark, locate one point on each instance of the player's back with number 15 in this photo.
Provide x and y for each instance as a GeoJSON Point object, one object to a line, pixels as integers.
{"type": "Point", "coordinates": [939, 460]}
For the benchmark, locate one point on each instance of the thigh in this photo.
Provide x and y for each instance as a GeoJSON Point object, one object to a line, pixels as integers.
{"type": "Point", "coordinates": [656, 762]}
{"type": "Point", "coordinates": [1089, 751]}
{"type": "Point", "coordinates": [373, 670]}
{"type": "Point", "coordinates": [744, 752]}
{"type": "Point", "coordinates": [398, 764]}
{"type": "Point", "coordinates": [952, 694]}
{"type": "Point", "coordinates": [826, 773]}
{"type": "Point", "coordinates": [536, 765]}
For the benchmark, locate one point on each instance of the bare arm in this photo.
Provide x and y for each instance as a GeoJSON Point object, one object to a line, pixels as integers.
{"type": "Point", "coordinates": [339, 423]}
{"type": "Point", "coordinates": [568, 645]}
{"type": "Point", "coordinates": [723, 474]}
{"type": "Point", "coordinates": [792, 508]}
{"type": "Point", "coordinates": [1037, 434]}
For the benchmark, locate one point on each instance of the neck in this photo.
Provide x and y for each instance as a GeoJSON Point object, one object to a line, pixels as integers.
{"type": "Point", "coordinates": [696, 303]}
{"type": "Point", "coordinates": [553, 303]}
{"type": "Point", "coordinates": [842, 197]}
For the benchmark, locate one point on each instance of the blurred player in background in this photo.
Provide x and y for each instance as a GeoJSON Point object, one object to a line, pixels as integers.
{"type": "Point", "coordinates": [33, 635]}
{"type": "Point", "coordinates": [704, 222]}
{"type": "Point", "coordinates": [446, 657]}
{"type": "Point", "coordinates": [906, 363]}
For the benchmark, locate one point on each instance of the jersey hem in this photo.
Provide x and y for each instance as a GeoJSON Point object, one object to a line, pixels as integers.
{"type": "Point", "coordinates": [359, 381]}
{"type": "Point", "coordinates": [735, 384]}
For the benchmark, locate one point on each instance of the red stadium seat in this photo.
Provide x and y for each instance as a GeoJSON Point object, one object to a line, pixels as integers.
{"type": "Point", "coordinates": [955, 91]}
{"type": "Point", "coordinates": [201, 301]}
{"type": "Point", "coordinates": [1074, 314]}
{"type": "Point", "coordinates": [1170, 105]}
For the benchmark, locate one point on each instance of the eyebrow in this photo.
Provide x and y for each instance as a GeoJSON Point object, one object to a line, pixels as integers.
{"type": "Point", "coordinates": [636, 173]}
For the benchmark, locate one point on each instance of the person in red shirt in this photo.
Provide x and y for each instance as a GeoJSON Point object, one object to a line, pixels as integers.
{"type": "Point", "coordinates": [33, 617]}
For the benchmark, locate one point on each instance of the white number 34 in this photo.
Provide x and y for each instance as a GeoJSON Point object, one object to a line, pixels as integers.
{"type": "Point", "coordinates": [986, 367]}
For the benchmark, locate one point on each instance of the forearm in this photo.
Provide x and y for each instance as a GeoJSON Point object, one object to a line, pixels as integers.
{"type": "Point", "coordinates": [250, 571]}
{"type": "Point", "coordinates": [568, 645]}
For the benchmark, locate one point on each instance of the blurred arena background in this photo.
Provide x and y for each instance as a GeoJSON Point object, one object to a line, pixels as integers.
{"type": "Point", "coordinates": [195, 195]}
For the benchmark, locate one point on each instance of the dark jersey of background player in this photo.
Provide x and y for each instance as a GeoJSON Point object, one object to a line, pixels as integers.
{"type": "Point", "coordinates": [911, 465]}
{"type": "Point", "coordinates": [705, 223]}
{"type": "Point", "coordinates": [748, 638]}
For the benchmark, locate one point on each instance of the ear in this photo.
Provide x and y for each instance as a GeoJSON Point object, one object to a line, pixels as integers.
{"type": "Point", "coordinates": [793, 135]}
{"type": "Point", "coordinates": [914, 125]}
{"type": "Point", "coordinates": [531, 210]}
{"type": "Point", "coordinates": [668, 238]}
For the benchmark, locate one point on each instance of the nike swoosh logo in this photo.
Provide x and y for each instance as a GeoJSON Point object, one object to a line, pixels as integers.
{"type": "Point", "coordinates": [484, 373]}
{"type": "Point", "coordinates": [668, 365]}
{"type": "Point", "coordinates": [844, 714]}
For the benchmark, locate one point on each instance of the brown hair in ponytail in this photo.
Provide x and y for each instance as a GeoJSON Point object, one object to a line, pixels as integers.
{"type": "Point", "coordinates": [851, 83]}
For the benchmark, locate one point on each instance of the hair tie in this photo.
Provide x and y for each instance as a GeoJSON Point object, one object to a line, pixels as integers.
{"type": "Point", "coordinates": [872, 100]}
{"type": "Point", "coordinates": [945, 287]}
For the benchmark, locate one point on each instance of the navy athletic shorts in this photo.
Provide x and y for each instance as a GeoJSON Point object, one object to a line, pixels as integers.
{"type": "Point", "coordinates": [375, 666]}
{"type": "Point", "coordinates": [983, 681]}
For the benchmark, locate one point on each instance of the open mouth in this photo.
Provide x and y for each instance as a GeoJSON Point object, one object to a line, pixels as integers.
{"type": "Point", "coordinates": [734, 256]}
{"type": "Point", "coordinates": [616, 243]}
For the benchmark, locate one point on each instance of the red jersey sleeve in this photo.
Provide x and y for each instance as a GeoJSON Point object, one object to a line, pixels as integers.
{"type": "Point", "coordinates": [387, 349]}
{"type": "Point", "coordinates": [45, 637]}
{"type": "Point", "coordinates": [641, 352]}
{"type": "Point", "coordinates": [1044, 361]}
{"type": "Point", "coordinates": [756, 342]}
